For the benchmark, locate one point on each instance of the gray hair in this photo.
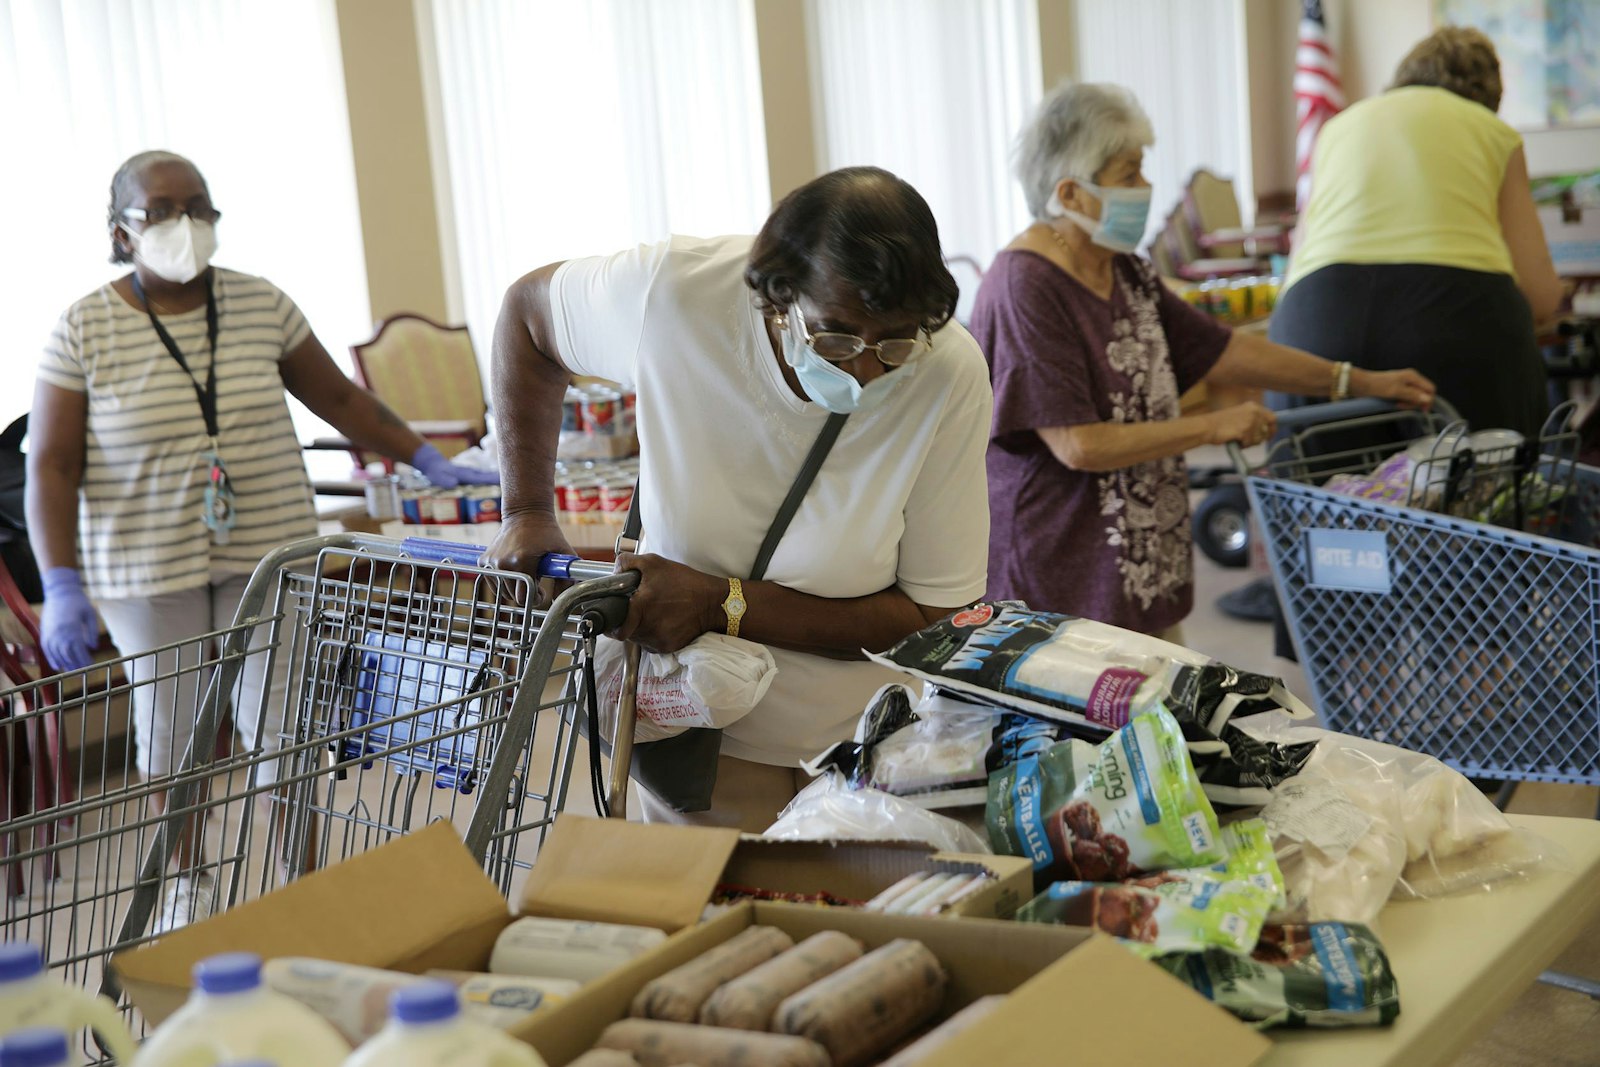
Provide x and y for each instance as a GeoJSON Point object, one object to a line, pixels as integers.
{"type": "Point", "coordinates": [1073, 134]}
{"type": "Point", "coordinates": [125, 186]}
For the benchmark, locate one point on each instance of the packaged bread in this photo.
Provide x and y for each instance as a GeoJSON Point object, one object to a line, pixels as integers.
{"type": "Point", "coordinates": [747, 1002]}
{"type": "Point", "coordinates": [677, 995]}
{"type": "Point", "coordinates": [868, 1007]}
{"type": "Point", "coordinates": [654, 1043]}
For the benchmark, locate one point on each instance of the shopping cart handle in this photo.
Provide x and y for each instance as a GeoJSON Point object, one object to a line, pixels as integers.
{"type": "Point", "coordinates": [554, 565]}
{"type": "Point", "coordinates": [1299, 418]}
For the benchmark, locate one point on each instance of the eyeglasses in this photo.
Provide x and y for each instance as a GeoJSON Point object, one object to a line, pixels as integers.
{"type": "Point", "coordinates": [155, 216]}
{"type": "Point", "coordinates": [843, 347]}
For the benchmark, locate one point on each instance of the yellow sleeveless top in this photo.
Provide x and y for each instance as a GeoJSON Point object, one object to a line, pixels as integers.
{"type": "Point", "coordinates": [1410, 176]}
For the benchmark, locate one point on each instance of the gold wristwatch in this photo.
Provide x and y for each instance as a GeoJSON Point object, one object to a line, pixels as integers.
{"type": "Point", "coordinates": [734, 606]}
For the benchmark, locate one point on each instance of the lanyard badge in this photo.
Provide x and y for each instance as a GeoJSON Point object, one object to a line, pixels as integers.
{"type": "Point", "coordinates": [220, 512]}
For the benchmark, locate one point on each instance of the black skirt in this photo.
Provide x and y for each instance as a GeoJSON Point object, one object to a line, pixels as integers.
{"type": "Point", "coordinates": [1470, 331]}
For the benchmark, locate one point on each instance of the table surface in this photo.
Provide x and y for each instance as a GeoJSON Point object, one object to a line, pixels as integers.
{"type": "Point", "coordinates": [1462, 960]}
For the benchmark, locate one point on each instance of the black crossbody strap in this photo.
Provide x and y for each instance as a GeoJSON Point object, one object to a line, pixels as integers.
{"type": "Point", "coordinates": [786, 511]}
{"type": "Point", "coordinates": [797, 493]}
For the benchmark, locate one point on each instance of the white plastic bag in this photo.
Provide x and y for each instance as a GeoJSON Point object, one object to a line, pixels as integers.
{"type": "Point", "coordinates": [829, 810]}
{"type": "Point", "coordinates": [1445, 835]}
{"type": "Point", "coordinates": [714, 681]}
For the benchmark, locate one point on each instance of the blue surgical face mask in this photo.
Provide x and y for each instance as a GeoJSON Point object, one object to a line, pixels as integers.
{"type": "Point", "coordinates": [830, 386]}
{"type": "Point", "coordinates": [1124, 214]}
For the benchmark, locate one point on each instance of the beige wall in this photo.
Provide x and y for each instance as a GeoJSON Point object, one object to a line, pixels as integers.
{"type": "Point", "coordinates": [786, 100]}
{"type": "Point", "coordinates": [393, 161]}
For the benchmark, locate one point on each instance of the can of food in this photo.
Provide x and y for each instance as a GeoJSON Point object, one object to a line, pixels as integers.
{"type": "Point", "coordinates": [444, 507]}
{"type": "Point", "coordinates": [627, 414]}
{"type": "Point", "coordinates": [599, 413]}
{"type": "Point", "coordinates": [616, 497]}
{"type": "Point", "coordinates": [583, 500]}
{"type": "Point", "coordinates": [383, 497]}
{"type": "Point", "coordinates": [411, 506]}
{"type": "Point", "coordinates": [482, 504]}
{"type": "Point", "coordinates": [572, 411]}
{"type": "Point", "coordinates": [1240, 305]}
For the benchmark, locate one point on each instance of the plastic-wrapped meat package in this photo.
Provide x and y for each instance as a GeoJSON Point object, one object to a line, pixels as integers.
{"type": "Point", "coordinates": [714, 681]}
{"type": "Point", "coordinates": [1435, 826]}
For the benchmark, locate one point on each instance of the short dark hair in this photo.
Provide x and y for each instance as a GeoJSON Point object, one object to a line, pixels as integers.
{"type": "Point", "coordinates": [1458, 58]}
{"type": "Point", "coordinates": [125, 183]}
{"type": "Point", "coordinates": [861, 228]}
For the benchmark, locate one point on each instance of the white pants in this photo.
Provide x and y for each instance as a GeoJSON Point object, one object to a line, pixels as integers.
{"type": "Point", "coordinates": [169, 687]}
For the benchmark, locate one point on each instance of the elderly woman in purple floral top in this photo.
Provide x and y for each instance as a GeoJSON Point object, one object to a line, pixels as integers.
{"type": "Point", "coordinates": [1089, 352]}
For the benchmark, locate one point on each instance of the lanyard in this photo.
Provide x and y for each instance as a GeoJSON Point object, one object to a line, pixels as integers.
{"type": "Point", "coordinates": [208, 395]}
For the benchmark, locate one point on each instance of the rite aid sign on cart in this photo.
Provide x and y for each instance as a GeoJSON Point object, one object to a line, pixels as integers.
{"type": "Point", "coordinates": [1357, 560]}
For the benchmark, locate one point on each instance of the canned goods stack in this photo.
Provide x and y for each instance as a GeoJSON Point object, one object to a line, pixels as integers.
{"type": "Point", "coordinates": [427, 506]}
{"type": "Point", "coordinates": [1236, 300]}
{"type": "Point", "coordinates": [597, 423]}
{"type": "Point", "coordinates": [593, 497]}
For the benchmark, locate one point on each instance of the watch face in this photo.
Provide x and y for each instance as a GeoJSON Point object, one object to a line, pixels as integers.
{"type": "Point", "coordinates": [735, 605]}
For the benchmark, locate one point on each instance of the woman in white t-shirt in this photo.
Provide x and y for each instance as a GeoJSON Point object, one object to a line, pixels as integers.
{"type": "Point", "coordinates": [150, 386]}
{"type": "Point", "coordinates": [739, 350]}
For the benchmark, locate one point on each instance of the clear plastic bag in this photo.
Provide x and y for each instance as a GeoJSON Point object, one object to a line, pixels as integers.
{"type": "Point", "coordinates": [1432, 826]}
{"type": "Point", "coordinates": [829, 810]}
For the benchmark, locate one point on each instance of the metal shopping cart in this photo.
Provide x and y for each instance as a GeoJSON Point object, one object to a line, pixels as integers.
{"type": "Point", "coordinates": [417, 686]}
{"type": "Point", "coordinates": [1470, 630]}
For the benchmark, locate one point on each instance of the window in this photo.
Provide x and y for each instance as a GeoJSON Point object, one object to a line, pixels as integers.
{"type": "Point", "coordinates": [935, 91]}
{"type": "Point", "coordinates": [1184, 60]}
{"type": "Point", "coordinates": [252, 92]}
{"type": "Point", "coordinates": [581, 129]}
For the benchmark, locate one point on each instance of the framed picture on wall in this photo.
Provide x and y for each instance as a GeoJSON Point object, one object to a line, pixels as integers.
{"type": "Point", "coordinates": [1549, 56]}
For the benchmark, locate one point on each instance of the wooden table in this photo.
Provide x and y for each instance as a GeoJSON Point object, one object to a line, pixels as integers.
{"type": "Point", "coordinates": [1462, 960]}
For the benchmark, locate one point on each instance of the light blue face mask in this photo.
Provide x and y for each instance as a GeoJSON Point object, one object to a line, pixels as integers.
{"type": "Point", "coordinates": [1124, 214]}
{"type": "Point", "coordinates": [828, 385]}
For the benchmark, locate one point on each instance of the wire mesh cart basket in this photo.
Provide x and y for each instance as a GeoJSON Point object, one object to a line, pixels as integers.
{"type": "Point", "coordinates": [385, 685]}
{"type": "Point", "coordinates": [1453, 606]}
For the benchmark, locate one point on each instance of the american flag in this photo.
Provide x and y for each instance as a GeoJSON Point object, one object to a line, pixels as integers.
{"type": "Point", "coordinates": [1318, 96]}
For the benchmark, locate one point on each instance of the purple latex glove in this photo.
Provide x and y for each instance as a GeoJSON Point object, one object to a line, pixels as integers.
{"type": "Point", "coordinates": [68, 627]}
{"type": "Point", "coordinates": [446, 475]}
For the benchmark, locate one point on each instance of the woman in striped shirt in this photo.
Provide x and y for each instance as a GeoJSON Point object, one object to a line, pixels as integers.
{"type": "Point", "coordinates": [149, 387]}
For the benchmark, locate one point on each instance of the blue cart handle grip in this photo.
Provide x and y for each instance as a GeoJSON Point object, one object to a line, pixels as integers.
{"type": "Point", "coordinates": [554, 565]}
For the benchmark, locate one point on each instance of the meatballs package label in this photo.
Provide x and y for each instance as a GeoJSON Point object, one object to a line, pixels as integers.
{"type": "Point", "coordinates": [1094, 813]}
{"type": "Point", "coordinates": [1178, 911]}
{"type": "Point", "coordinates": [1315, 975]}
{"type": "Point", "coordinates": [1079, 670]}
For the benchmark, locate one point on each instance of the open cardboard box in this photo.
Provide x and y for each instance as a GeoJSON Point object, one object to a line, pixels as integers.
{"type": "Point", "coordinates": [621, 863]}
{"type": "Point", "coordinates": [421, 902]}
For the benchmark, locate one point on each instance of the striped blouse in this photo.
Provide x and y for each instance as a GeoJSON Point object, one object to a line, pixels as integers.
{"type": "Point", "coordinates": [140, 529]}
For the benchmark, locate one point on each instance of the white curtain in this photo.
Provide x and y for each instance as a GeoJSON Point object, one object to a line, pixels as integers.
{"type": "Point", "coordinates": [1184, 60]}
{"type": "Point", "coordinates": [935, 91]}
{"type": "Point", "coordinates": [578, 129]}
{"type": "Point", "coordinates": [252, 92]}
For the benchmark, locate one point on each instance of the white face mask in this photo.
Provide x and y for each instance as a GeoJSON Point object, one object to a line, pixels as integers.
{"type": "Point", "coordinates": [178, 250]}
{"type": "Point", "coordinates": [830, 386]}
{"type": "Point", "coordinates": [1124, 214]}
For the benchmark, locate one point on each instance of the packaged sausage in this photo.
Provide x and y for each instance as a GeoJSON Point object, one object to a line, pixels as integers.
{"type": "Point", "coordinates": [747, 1002]}
{"type": "Point", "coordinates": [677, 995]}
{"type": "Point", "coordinates": [1170, 911]}
{"type": "Point", "coordinates": [1316, 975]}
{"type": "Point", "coordinates": [1100, 813]}
{"type": "Point", "coordinates": [655, 1043]}
{"type": "Point", "coordinates": [604, 1057]}
{"type": "Point", "coordinates": [504, 1000]}
{"type": "Point", "coordinates": [563, 948]}
{"type": "Point", "coordinates": [863, 1010]}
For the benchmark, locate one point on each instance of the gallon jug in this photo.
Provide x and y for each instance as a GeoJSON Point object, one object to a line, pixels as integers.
{"type": "Point", "coordinates": [231, 1016]}
{"type": "Point", "coordinates": [426, 1029]}
{"type": "Point", "coordinates": [30, 997]}
{"type": "Point", "coordinates": [34, 1046]}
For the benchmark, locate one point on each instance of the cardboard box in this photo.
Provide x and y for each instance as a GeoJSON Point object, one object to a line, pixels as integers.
{"type": "Point", "coordinates": [421, 902]}
{"type": "Point", "coordinates": [586, 859]}
{"type": "Point", "coordinates": [1076, 997]}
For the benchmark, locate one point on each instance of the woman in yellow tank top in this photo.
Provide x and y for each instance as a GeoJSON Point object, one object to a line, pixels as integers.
{"type": "Point", "coordinates": [1420, 246]}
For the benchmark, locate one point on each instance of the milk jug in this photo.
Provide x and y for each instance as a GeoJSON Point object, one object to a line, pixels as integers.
{"type": "Point", "coordinates": [30, 997]}
{"type": "Point", "coordinates": [34, 1046]}
{"type": "Point", "coordinates": [426, 1029]}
